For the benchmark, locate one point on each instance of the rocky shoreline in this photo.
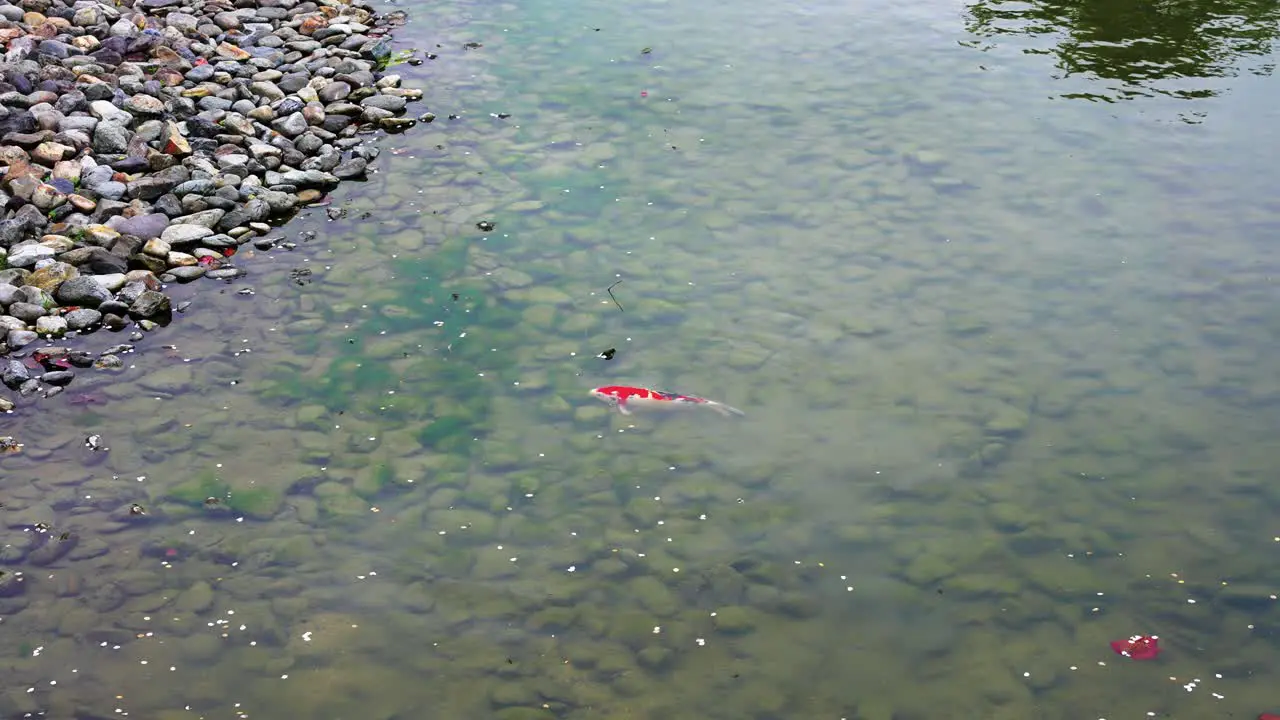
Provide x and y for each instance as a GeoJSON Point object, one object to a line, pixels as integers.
{"type": "Point", "coordinates": [143, 142]}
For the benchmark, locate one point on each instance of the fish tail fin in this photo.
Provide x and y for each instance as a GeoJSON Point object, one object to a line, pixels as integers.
{"type": "Point", "coordinates": [725, 410]}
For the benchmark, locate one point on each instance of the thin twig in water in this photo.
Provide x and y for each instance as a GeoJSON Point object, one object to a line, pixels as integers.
{"type": "Point", "coordinates": [611, 297]}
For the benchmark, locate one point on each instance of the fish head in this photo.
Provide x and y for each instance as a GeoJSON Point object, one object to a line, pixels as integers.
{"type": "Point", "coordinates": [605, 394]}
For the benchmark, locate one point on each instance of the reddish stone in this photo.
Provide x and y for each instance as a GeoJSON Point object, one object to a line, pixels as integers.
{"type": "Point", "coordinates": [312, 24]}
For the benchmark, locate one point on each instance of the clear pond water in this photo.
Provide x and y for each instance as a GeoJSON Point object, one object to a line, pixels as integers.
{"type": "Point", "coordinates": [994, 284]}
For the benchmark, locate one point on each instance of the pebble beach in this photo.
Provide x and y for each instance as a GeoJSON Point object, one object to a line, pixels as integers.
{"type": "Point", "coordinates": [143, 143]}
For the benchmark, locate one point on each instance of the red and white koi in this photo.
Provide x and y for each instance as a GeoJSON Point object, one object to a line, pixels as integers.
{"type": "Point", "coordinates": [625, 398]}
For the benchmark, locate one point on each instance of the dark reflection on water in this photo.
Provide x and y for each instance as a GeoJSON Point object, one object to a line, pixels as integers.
{"type": "Point", "coordinates": [1139, 48]}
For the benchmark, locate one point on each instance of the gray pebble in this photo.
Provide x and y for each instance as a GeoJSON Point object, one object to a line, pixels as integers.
{"type": "Point", "coordinates": [58, 377]}
{"type": "Point", "coordinates": [187, 273]}
{"type": "Point", "coordinates": [18, 339]}
{"type": "Point", "coordinates": [27, 312]}
{"type": "Point", "coordinates": [82, 319]}
{"type": "Point", "coordinates": [83, 291]}
{"type": "Point", "coordinates": [13, 373]}
{"type": "Point", "coordinates": [51, 326]}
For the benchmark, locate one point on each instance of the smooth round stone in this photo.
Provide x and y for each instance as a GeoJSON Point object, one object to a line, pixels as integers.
{"type": "Point", "coordinates": [82, 319]}
{"type": "Point", "coordinates": [18, 339]}
{"type": "Point", "coordinates": [58, 378]}
{"type": "Point", "coordinates": [51, 326]}
{"type": "Point", "coordinates": [187, 273]}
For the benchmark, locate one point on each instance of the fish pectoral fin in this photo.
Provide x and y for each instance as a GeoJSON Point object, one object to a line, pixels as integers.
{"type": "Point", "coordinates": [622, 408]}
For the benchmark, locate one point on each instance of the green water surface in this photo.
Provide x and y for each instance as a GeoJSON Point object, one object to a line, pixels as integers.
{"type": "Point", "coordinates": [994, 284]}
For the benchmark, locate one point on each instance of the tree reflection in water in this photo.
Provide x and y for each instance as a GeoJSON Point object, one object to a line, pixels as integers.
{"type": "Point", "coordinates": [1140, 48]}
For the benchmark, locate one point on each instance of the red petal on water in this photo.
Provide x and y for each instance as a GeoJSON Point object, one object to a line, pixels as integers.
{"type": "Point", "coordinates": [207, 260]}
{"type": "Point", "coordinates": [1138, 647]}
{"type": "Point", "coordinates": [1268, 716]}
{"type": "Point", "coordinates": [228, 252]}
{"type": "Point", "coordinates": [644, 93]}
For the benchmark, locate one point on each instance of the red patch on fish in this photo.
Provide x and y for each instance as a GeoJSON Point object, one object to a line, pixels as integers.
{"type": "Point", "coordinates": [621, 396]}
{"type": "Point", "coordinates": [623, 393]}
{"type": "Point", "coordinates": [1268, 716]}
{"type": "Point", "coordinates": [1138, 647]}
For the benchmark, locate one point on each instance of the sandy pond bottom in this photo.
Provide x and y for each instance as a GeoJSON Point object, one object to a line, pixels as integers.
{"type": "Point", "coordinates": [1008, 399]}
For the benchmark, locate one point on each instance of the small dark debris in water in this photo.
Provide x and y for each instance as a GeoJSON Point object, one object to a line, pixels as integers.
{"type": "Point", "coordinates": [287, 245]}
{"type": "Point", "coordinates": [510, 661]}
{"type": "Point", "coordinates": [300, 276]}
{"type": "Point", "coordinates": [42, 527]}
{"type": "Point", "coordinates": [501, 116]}
{"type": "Point", "coordinates": [452, 116]}
{"type": "Point", "coordinates": [211, 501]}
{"type": "Point", "coordinates": [136, 509]}
{"type": "Point", "coordinates": [646, 51]}
{"type": "Point", "coordinates": [472, 46]}
{"type": "Point", "coordinates": [454, 296]}
{"type": "Point", "coordinates": [307, 235]}
{"type": "Point", "coordinates": [427, 117]}
{"type": "Point", "coordinates": [486, 226]}
{"type": "Point", "coordinates": [351, 341]}
{"type": "Point", "coordinates": [182, 306]}
{"type": "Point", "coordinates": [366, 215]}
{"type": "Point", "coordinates": [245, 291]}
{"type": "Point", "coordinates": [416, 61]}
{"type": "Point", "coordinates": [615, 300]}
{"type": "Point", "coordinates": [608, 354]}
{"type": "Point", "coordinates": [64, 537]}
{"type": "Point", "coordinates": [94, 443]}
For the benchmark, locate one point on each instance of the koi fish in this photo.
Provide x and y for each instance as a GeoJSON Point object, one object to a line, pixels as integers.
{"type": "Point", "coordinates": [624, 398]}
